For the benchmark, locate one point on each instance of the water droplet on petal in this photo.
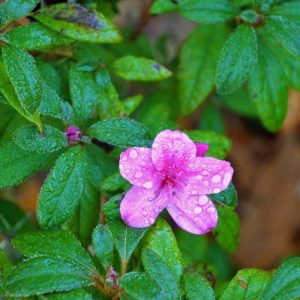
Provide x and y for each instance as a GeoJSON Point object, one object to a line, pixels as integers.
{"type": "Point", "coordinates": [144, 213]}
{"type": "Point", "coordinates": [124, 157]}
{"type": "Point", "coordinates": [211, 210]}
{"type": "Point", "coordinates": [198, 210]}
{"type": "Point", "coordinates": [216, 178]}
{"type": "Point", "coordinates": [199, 177]}
{"type": "Point", "coordinates": [217, 190]}
{"type": "Point", "coordinates": [151, 220]}
{"type": "Point", "coordinates": [205, 173]}
{"type": "Point", "coordinates": [202, 200]}
{"type": "Point", "coordinates": [133, 154]}
{"type": "Point", "coordinates": [138, 174]}
{"type": "Point", "coordinates": [227, 178]}
{"type": "Point", "coordinates": [148, 184]}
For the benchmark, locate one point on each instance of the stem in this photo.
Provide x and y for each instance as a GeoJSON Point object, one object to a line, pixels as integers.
{"type": "Point", "coordinates": [123, 267]}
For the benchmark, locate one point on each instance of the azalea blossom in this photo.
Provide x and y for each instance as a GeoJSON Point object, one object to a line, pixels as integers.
{"type": "Point", "coordinates": [173, 174]}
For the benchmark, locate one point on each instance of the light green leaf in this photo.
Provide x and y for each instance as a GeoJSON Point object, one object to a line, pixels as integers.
{"type": "Point", "coordinates": [55, 244]}
{"type": "Point", "coordinates": [288, 9]}
{"type": "Point", "coordinates": [162, 241]}
{"type": "Point", "coordinates": [197, 287]}
{"type": "Point", "coordinates": [228, 228]}
{"type": "Point", "coordinates": [247, 284]}
{"type": "Point", "coordinates": [72, 295]}
{"type": "Point", "coordinates": [62, 189]}
{"type": "Point", "coordinates": [285, 281]}
{"type": "Point", "coordinates": [43, 275]}
{"type": "Point", "coordinates": [115, 183]}
{"type": "Point", "coordinates": [79, 23]}
{"type": "Point", "coordinates": [237, 59]}
{"type": "Point", "coordinates": [103, 245]}
{"type": "Point", "coordinates": [83, 93]}
{"type": "Point", "coordinates": [130, 104]}
{"type": "Point", "coordinates": [5, 266]}
{"type": "Point", "coordinates": [198, 61]}
{"type": "Point", "coordinates": [24, 76]}
{"type": "Point", "coordinates": [121, 132]}
{"type": "Point", "coordinates": [163, 6]}
{"type": "Point", "coordinates": [140, 286]}
{"type": "Point", "coordinates": [269, 89]}
{"type": "Point", "coordinates": [30, 139]}
{"type": "Point", "coordinates": [34, 36]}
{"type": "Point", "coordinates": [17, 164]}
{"type": "Point", "coordinates": [207, 11]}
{"type": "Point", "coordinates": [11, 10]}
{"type": "Point", "coordinates": [140, 69]}
{"type": "Point", "coordinates": [219, 145]}
{"type": "Point", "coordinates": [228, 197]}
{"type": "Point", "coordinates": [156, 267]}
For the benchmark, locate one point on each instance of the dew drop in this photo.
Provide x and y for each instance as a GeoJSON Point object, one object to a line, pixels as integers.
{"type": "Point", "coordinates": [205, 173]}
{"type": "Point", "coordinates": [217, 190]}
{"type": "Point", "coordinates": [216, 178]}
{"type": "Point", "coordinates": [211, 209]}
{"type": "Point", "coordinates": [198, 210]}
{"type": "Point", "coordinates": [151, 220]}
{"type": "Point", "coordinates": [148, 184]}
{"type": "Point", "coordinates": [144, 213]}
{"type": "Point", "coordinates": [203, 200]}
{"type": "Point", "coordinates": [199, 177]}
{"type": "Point", "coordinates": [133, 154]}
{"type": "Point", "coordinates": [227, 178]}
{"type": "Point", "coordinates": [138, 174]}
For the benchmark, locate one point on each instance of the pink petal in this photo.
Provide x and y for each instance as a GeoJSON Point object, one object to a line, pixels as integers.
{"type": "Point", "coordinates": [194, 214]}
{"type": "Point", "coordinates": [136, 166]}
{"type": "Point", "coordinates": [140, 207]}
{"type": "Point", "coordinates": [209, 176]}
{"type": "Point", "coordinates": [201, 149]}
{"type": "Point", "coordinates": [172, 151]}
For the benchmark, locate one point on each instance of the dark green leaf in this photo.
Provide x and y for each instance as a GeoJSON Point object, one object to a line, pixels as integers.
{"type": "Point", "coordinates": [247, 284]}
{"type": "Point", "coordinates": [269, 89]}
{"type": "Point", "coordinates": [197, 287]}
{"type": "Point", "coordinates": [162, 241]}
{"type": "Point", "coordinates": [121, 132]}
{"type": "Point", "coordinates": [156, 267]}
{"type": "Point", "coordinates": [163, 6]}
{"type": "Point", "coordinates": [288, 9]}
{"type": "Point", "coordinates": [207, 11]}
{"type": "Point", "coordinates": [228, 228]}
{"type": "Point", "coordinates": [72, 295]}
{"type": "Point", "coordinates": [36, 37]}
{"type": "Point", "coordinates": [115, 183]}
{"type": "Point", "coordinates": [140, 69]}
{"type": "Point", "coordinates": [11, 10]}
{"type": "Point", "coordinates": [219, 145]}
{"type": "Point", "coordinates": [103, 245]}
{"type": "Point", "coordinates": [130, 104]}
{"type": "Point", "coordinates": [198, 61]}
{"type": "Point", "coordinates": [62, 189]}
{"type": "Point", "coordinates": [24, 76]}
{"type": "Point", "coordinates": [5, 266]}
{"type": "Point", "coordinates": [285, 281]}
{"type": "Point", "coordinates": [111, 208]}
{"type": "Point", "coordinates": [228, 197]}
{"type": "Point", "coordinates": [140, 286]}
{"type": "Point", "coordinates": [30, 139]}
{"type": "Point", "coordinates": [43, 275]}
{"type": "Point", "coordinates": [79, 23]}
{"type": "Point", "coordinates": [83, 94]}
{"type": "Point", "coordinates": [237, 59]}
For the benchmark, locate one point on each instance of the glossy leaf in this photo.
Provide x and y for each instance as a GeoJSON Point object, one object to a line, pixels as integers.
{"type": "Point", "coordinates": [237, 59]}
{"type": "Point", "coordinates": [121, 133]}
{"type": "Point", "coordinates": [140, 69]}
{"type": "Point", "coordinates": [80, 294]}
{"type": "Point", "coordinates": [79, 23]}
{"type": "Point", "coordinates": [111, 208]}
{"type": "Point", "coordinates": [130, 104]}
{"type": "Point", "coordinates": [62, 189]}
{"type": "Point", "coordinates": [163, 6]}
{"type": "Point", "coordinates": [228, 197]}
{"type": "Point", "coordinates": [115, 183]}
{"type": "Point", "coordinates": [198, 61]}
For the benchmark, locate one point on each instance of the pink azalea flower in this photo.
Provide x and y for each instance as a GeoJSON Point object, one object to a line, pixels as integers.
{"type": "Point", "coordinates": [175, 175]}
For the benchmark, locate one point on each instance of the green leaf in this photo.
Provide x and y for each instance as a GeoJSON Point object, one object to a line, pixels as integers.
{"type": "Point", "coordinates": [247, 284]}
{"type": "Point", "coordinates": [17, 164]}
{"type": "Point", "coordinates": [285, 281]}
{"type": "Point", "coordinates": [109, 104]}
{"type": "Point", "coordinates": [121, 133]}
{"type": "Point", "coordinates": [103, 245]}
{"type": "Point", "coordinates": [198, 61]}
{"type": "Point", "coordinates": [125, 238]}
{"type": "Point", "coordinates": [162, 241]}
{"type": "Point", "coordinates": [115, 183]}
{"type": "Point", "coordinates": [228, 228]}
{"type": "Point", "coordinates": [157, 268]}
{"type": "Point", "coordinates": [30, 139]}
{"type": "Point", "coordinates": [34, 36]}
{"type": "Point", "coordinates": [83, 93]}
{"type": "Point", "coordinates": [197, 287]}
{"type": "Point", "coordinates": [207, 11]}
{"type": "Point", "coordinates": [5, 266]}
{"type": "Point", "coordinates": [24, 76]}
{"type": "Point", "coordinates": [284, 30]}
{"type": "Point", "coordinates": [55, 244]}
{"type": "Point", "coordinates": [43, 275]}
{"type": "Point", "coordinates": [140, 69]}
{"type": "Point", "coordinates": [163, 6]}
{"type": "Point", "coordinates": [130, 104]}
{"type": "Point", "coordinates": [79, 23]}
{"type": "Point", "coordinates": [228, 197]}
{"type": "Point", "coordinates": [219, 145]}
{"type": "Point", "coordinates": [11, 10]}
{"type": "Point", "coordinates": [140, 286]}
{"type": "Point", "coordinates": [288, 9]}
{"type": "Point", "coordinates": [62, 189]}
{"type": "Point", "coordinates": [111, 208]}
{"type": "Point", "coordinates": [237, 59]}
{"type": "Point", "coordinates": [80, 294]}
{"type": "Point", "coordinates": [269, 89]}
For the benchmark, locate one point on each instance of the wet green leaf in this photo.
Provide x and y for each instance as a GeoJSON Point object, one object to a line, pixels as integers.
{"type": "Point", "coordinates": [72, 295]}
{"type": "Point", "coordinates": [163, 6]}
{"type": "Point", "coordinates": [228, 197]}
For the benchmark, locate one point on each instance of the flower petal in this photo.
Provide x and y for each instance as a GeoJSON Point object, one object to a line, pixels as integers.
{"type": "Point", "coordinates": [209, 176]}
{"type": "Point", "coordinates": [201, 149]}
{"type": "Point", "coordinates": [136, 166]}
{"type": "Point", "coordinates": [140, 207]}
{"type": "Point", "coordinates": [172, 151]}
{"type": "Point", "coordinates": [194, 214]}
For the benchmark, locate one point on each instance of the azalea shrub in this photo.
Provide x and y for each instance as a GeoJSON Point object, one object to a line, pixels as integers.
{"type": "Point", "coordinates": [135, 204]}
